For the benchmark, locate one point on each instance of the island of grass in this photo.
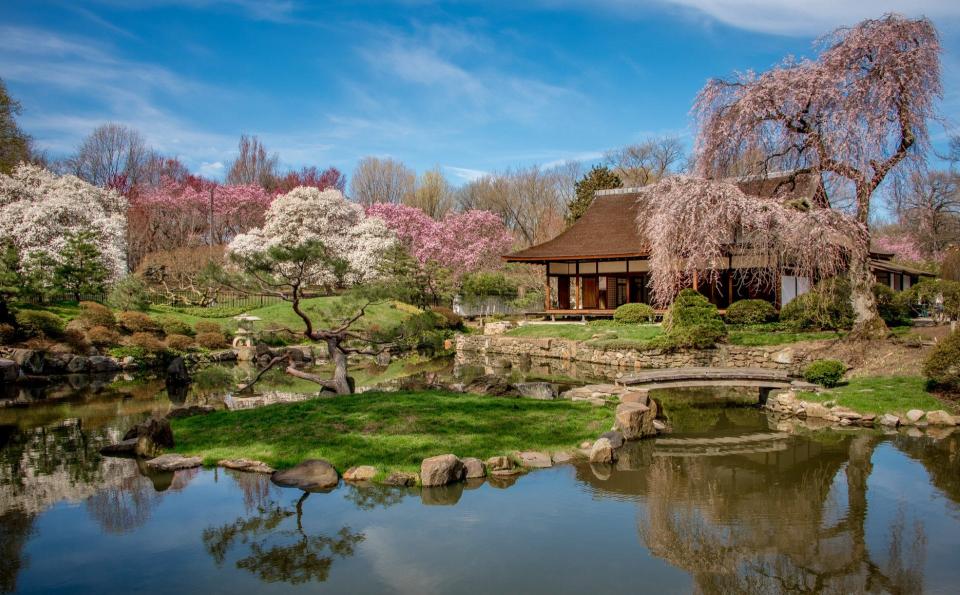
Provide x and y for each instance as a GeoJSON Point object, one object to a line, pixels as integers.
{"type": "Point", "coordinates": [882, 394]}
{"type": "Point", "coordinates": [392, 431]}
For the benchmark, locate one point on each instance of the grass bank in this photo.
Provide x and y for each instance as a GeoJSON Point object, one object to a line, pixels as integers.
{"type": "Point", "coordinates": [391, 431]}
{"type": "Point", "coordinates": [637, 335]}
{"type": "Point", "coordinates": [882, 394]}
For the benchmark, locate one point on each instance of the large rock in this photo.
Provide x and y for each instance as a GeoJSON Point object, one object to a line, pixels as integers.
{"type": "Point", "coordinates": [602, 452]}
{"type": "Point", "coordinates": [543, 391]}
{"type": "Point", "coordinates": [398, 478]}
{"type": "Point", "coordinates": [189, 411]}
{"type": "Point", "coordinates": [310, 476]}
{"type": "Point", "coordinates": [888, 420]}
{"type": "Point", "coordinates": [914, 415]}
{"type": "Point", "coordinates": [123, 448]}
{"type": "Point", "coordinates": [816, 410]}
{"type": "Point", "coordinates": [473, 468]}
{"type": "Point", "coordinates": [636, 396]}
{"type": "Point", "coordinates": [490, 385]}
{"type": "Point", "coordinates": [940, 418]}
{"type": "Point", "coordinates": [29, 360]}
{"type": "Point", "coordinates": [615, 438]}
{"type": "Point", "coordinates": [173, 461]}
{"type": "Point", "coordinates": [534, 460]}
{"type": "Point", "coordinates": [361, 473]}
{"type": "Point", "coordinates": [635, 420]}
{"type": "Point", "coordinates": [100, 364]}
{"type": "Point", "coordinates": [9, 370]}
{"type": "Point", "coordinates": [177, 372]}
{"type": "Point", "coordinates": [441, 470]}
{"type": "Point", "coordinates": [79, 365]}
{"type": "Point", "coordinates": [152, 437]}
{"type": "Point", "coordinates": [248, 465]}
{"type": "Point", "coordinates": [560, 457]}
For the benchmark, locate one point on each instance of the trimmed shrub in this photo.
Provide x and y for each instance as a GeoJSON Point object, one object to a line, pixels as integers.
{"type": "Point", "coordinates": [751, 312]}
{"type": "Point", "coordinates": [38, 323]}
{"type": "Point", "coordinates": [129, 293]}
{"type": "Point", "coordinates": [825, 372]}
{"type": "Point", "coordinates": [211, 340]}
{"type": "Point", "coordinates": [451, 320]}
{"type": "Point", "coordinates": [137, 322]}
{"type": "Point", "coordinates": [93, 314]}
{"type": "Point", "coordinates": [205, 326]}
{"type": "Point", "coordinates": [8, 334]}
{"type": "Point", "coordinates": [147, 341]}
{"type": "Point", "coordinates": [172, 326]}
{"type": "Point", "coordinates": [101, 336]}
{"type": "Point", "coordinates": [76, 339]}
{"type": "Point", "coordinates": [893, 306]}
{"type": "Point", "coordinates": [942, 366]}
{"type": "Point", "coordinates": [825, 307]}
{"type": "Point", "coordinates": [634, 314]}
{"type": "Point", "coordinates": [691, 322]}
{"type": "Point", "coordinates": [179, 342]}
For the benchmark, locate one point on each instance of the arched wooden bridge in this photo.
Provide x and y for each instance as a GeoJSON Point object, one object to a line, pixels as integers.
{"type": "Point", "coordinates": [761, 378]}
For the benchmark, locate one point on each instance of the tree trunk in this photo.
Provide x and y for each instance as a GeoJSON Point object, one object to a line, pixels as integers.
{"type": "Point", "coordinates": [341, 382]}
{"type": "Point", "coordinates": [868, 324]}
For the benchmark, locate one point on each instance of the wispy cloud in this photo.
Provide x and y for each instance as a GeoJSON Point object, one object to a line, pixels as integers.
{"type": "Point", "coordinates": [465, 173]}
{"type": "Point", "coordinates": [780, 17]}
{"type": "Point", "coordinates": [279, 11]}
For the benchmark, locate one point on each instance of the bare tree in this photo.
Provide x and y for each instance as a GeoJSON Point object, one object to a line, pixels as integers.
{"type": "Point", "coordinates": [646, 162]}
{"type": "Point", "coordinates": [253, 165]}
{"type": "Point", "coordinates": [382, 180]}
{"type": "Point", "coordinates": [112, 154]}
{"type": "Point", "coordinates": [927, 205]}
{"type": "Point", "coordinates": [432, 195]}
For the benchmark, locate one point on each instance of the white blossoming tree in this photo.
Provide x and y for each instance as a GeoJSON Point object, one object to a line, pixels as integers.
{"type": "Point", "coordinates": [314, 240]}
{"type": "Point", "coordinates": [42, 210]}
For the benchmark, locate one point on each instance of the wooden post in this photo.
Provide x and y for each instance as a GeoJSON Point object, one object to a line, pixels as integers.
{"type": "Point", "coordinates": [729, 287]}
{"type": "Point", "coordinates": [696, 281]}
{"type": "Point", "coordinates": [546, 294]}
{"type": "Point", "coordinates": [577, 297]}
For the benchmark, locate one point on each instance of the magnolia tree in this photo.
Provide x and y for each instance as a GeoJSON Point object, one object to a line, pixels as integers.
{"type": "Point", "coordinates": [192, 211]}
{"type": "Point", "coordinates": [314, 238]}
{"type": "Point", "coordinates": [458, 244]}
{"type": "Point", "coordinates": [692, 224]}
{"type": "Point", "coordinates": [852, 116]}
{"type": "Point", "coordinates": [41, 211]}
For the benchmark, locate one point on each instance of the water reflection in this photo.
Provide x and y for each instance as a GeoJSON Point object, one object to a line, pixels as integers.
{"type": "Point", "coordinates": [274, 547]}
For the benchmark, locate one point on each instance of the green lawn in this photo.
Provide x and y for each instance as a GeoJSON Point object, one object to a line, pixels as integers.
{"type": "Point", "coordinates": [893, 394]}
{"type": "Point", "coordinates": [758, 338]}
{"type": "Point", "coordinates": [391, 431]}
{"type": "Point", "coordinates": [584, 332]}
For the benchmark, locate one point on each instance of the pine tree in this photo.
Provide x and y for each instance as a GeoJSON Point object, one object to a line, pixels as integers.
{"type": "Point", "coordinates": [598, 178]}
{"type": "Point", "coordinates": [14, 144]}
{"type": "Point", "coordinates": [81, 269]}
{"type": "Point", "coordinates": [10, 280]}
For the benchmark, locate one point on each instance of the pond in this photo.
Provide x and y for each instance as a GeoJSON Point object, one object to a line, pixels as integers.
{"type": "Point", "coordinates": [724, 504]}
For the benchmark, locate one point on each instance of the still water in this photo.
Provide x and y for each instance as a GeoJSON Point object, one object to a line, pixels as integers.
{"type": "Point", "coordinates": [758, 512]}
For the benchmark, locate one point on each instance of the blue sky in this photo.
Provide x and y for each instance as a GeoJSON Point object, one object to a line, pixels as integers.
{"type": "Point", "coordinates": [471, 86]}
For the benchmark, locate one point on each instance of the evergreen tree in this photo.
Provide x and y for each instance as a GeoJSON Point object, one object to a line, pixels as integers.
{"type": "Point", "coordinates": [81, 269]}
{"type": "Point", "coordinates": [10, 280]}
{"type": "Point", "coordinates": [598, 178]}
{"type": "Point", "coordinates": [14, 144]}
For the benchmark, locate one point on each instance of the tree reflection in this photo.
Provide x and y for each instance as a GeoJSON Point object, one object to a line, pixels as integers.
{"type": "Point", "coordinates": [376, 496]}
{"type": "Point", "coordinates": [774, 522]}
{"type": "Point", "coordinates": [15, 528]}
{"type": "Point", "coordinates": [278, 548]}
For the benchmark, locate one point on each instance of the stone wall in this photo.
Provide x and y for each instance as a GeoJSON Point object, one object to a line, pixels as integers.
{"type": "Point", "coordinates": [790, 358]}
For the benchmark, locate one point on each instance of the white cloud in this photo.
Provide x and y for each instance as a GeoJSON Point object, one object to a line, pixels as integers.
{"type": "Point", "coordinates": [279, 11]}
{"type": "Point", "coordinates": [782, 17]}
{"type": "Point", "coordinates": [465, 173]}
{"type": "Point", "coordinates": [211, 170]}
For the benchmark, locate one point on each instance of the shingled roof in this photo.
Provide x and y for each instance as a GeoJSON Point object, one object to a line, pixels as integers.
{"type": "Point", "coordinates": [608, 229]}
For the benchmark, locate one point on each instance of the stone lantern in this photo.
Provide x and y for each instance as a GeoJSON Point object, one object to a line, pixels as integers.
{"type": "Point", "coordinates": [243, 341]}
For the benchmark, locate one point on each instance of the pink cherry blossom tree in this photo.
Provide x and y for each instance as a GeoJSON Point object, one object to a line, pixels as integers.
{"type": "Point", "coordinates": [851, 116]}
{"type": "Point", "coordinates": [459, 243]}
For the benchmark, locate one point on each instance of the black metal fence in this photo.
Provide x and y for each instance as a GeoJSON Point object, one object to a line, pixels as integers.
{"type": "Point", "coordinates": [228, 299]}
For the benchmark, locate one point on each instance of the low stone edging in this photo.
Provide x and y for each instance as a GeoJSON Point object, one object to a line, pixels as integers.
{"type": "Point", "coordinates": [789, 358]}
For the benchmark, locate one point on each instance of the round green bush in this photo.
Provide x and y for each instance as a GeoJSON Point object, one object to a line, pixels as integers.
{"type": "Point", "coordinates": [751, 312]}
{"type": "Point", "coordinates": [93, 314]}
{"type": "Point", "coordinates": [692, 322]}
{"type": "Point", "coordinates": [38, 323]}
{"type": "Point", "coordinates": [451, 319]}
{"type": "Point", "coordinates": [634, 314]}
{"type": "Point", "coordinates": [942, 366]}
{"type": "Point", "coordinates": [137, 322]}
{"type": "Point", "coordinates": [893, 306]}
{"type": "Point", "coordinates": [825, 307]}
{"type": "Point", "coordinates": [825, 372]}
